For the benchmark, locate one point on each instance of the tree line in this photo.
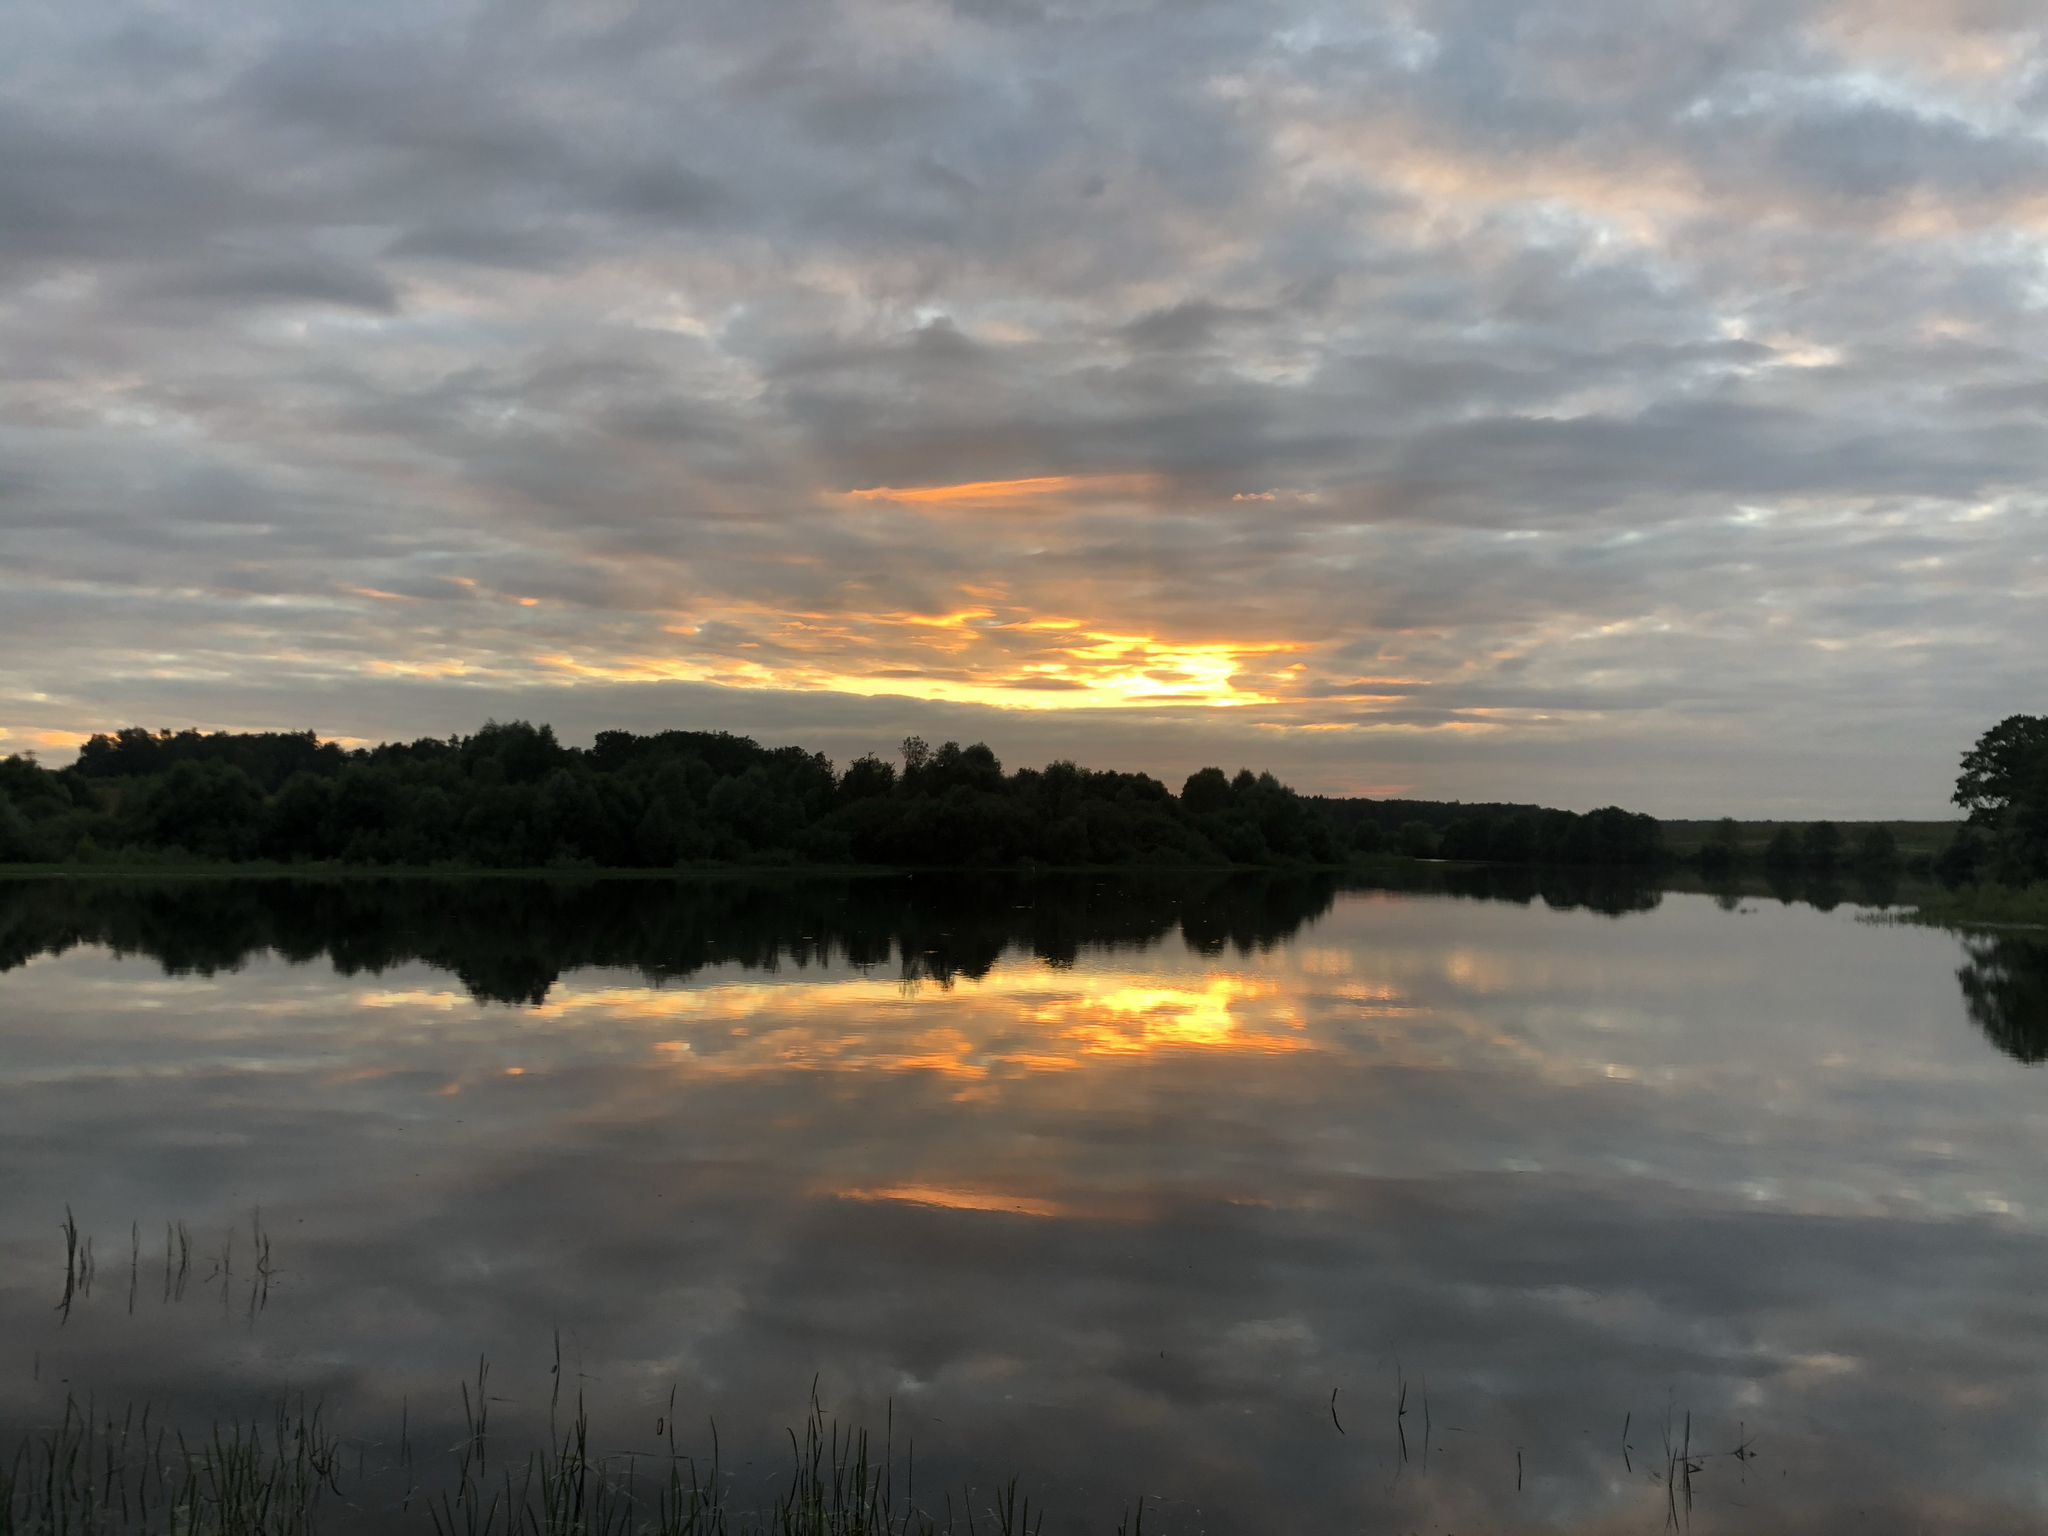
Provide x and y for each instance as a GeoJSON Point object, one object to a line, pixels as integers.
{"type": "Point", "coordinates": [512, 796]}
{"type": "Point", "coordinates": [2003, 785]}
{"type": "Point", "coordinates": [1818, 848]}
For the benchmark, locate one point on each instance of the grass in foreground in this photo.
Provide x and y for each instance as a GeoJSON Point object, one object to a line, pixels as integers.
{"type": "Point", "coordinates": [99, 1475]}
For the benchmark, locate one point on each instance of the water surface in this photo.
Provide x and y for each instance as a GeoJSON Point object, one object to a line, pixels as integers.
{"type": "Point", "coordinates": [1111, 1184]}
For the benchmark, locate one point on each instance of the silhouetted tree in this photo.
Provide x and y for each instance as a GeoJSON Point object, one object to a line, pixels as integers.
{"type": "Point", "coordinates": [211, 810]}
{"type": "Point", "coordinates": [267, 757]}
{"type": "Point", "coordinates": [2004, 767]}
{"type": "Point", "coordinates": [1877, 850]}
{"type": "Point", "coordinates": [1782, 852]}
{"type": "Point", "coordinates": [1469, 837]}
{"type": "Point", "coordinates": [2004, 787]}
{"type": "Point", "coordinates": [1964, 856]}
{"type": "Point", "coordinates": [1820, 846]}
{"type": "Point", "coordinates": [513, 796]}
{"type": "Point", "coordinates": [865, 778]}
{"type": "Point", "coordinates": [1722, 851]}
{"type": "Point", "coordinates": [1514, 840]}
{"type": "Point", "coordinates": [18, 842]}
{"type": "Point", "coordinates": [1417, 841]}
{"type": "Point", "coordinates": [1206, 791]}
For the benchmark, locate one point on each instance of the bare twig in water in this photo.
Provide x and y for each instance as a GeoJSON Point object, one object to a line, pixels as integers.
{"type": "Point", "coordinates": [1401, 1413]}
{"type": "Point", "coordinates": [1679, 1467]}
{"type": "Point", "coordinates": [1426, 1428]}
{"type": "Point", "coordinates": [70, 1231]}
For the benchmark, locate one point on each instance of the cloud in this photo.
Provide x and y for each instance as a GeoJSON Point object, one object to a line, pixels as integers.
{"type": "Point", "coordinates": [983, 493]}
{"type": "Point", "coordinates": [1612, 370]}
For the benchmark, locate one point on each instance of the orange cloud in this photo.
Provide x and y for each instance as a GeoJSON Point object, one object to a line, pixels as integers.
{"type": "Point", "coordinates": [39, 738]}
{"type": "Point", "coordinates": [990, 492]}
{"type": "Point", "coordinates": [380, 593]}
{"type": "Point", "coordinates": [958, 1199]}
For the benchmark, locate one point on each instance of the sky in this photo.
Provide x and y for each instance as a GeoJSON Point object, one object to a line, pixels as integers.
{"type": "Point", "coordinates": [1551, 400]}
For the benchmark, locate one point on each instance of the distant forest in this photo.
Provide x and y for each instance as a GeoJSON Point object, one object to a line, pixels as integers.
{"type": "Point", "coordinates": [512, 796]}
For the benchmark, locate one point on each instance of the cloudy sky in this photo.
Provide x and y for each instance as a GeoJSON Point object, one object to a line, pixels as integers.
{"type": "Point", "coordinates": [1548, 399]}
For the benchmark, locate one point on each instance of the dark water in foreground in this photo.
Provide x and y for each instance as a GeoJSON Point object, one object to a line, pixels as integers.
{"type": "Point", "coordinates": [1109, 1184]}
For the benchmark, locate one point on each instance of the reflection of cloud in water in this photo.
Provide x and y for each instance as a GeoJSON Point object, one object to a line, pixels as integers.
{"type": "Point", "coordinates": [1126, 1219]}
{"type": "Point", "coordinates": [1036, 1018]}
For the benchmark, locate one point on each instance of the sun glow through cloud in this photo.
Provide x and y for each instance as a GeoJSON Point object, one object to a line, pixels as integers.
{"type": "Point", "coordinates": [974, 655]}
{"type": "Point", "coordinates": [996, 492]}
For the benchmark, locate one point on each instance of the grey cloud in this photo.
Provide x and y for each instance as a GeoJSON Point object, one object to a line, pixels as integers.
{"type": "Point", "coordinates": [279, 281]}
{"type": "Point", "coordinates": [97, 195]}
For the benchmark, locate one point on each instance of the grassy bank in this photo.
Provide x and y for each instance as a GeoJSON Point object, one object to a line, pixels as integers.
{"type": "Point", "coordinates": [1916, 839]}
{"type": "Point", "coordinates": [269, 869]}
{"type": "Point", "coordinates": [1984, 906]}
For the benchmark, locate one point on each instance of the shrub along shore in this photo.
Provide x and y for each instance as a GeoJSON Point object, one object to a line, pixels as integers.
{"type": "Point", "coordinates": [512, 796]}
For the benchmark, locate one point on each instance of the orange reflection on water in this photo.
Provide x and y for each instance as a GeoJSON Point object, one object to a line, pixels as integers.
{"type": "Point", "coordinates": [1022, 1019]}
{"type": "Point", "coordinates": [1016, 1019]}
{"type": "Point", "coordinates": [1127, 1019]}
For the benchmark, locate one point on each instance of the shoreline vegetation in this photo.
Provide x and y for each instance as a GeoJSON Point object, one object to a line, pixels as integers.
{"type": "Point", "coordinates": [512, 800]}
{"type": "Point", "coordinates": [511, 940]}
{"type": "Point", "coordinates": [291, 1474]}
{"type": "Point", "coordinates": [289, 1471]}
{"type": "Point", "coordinates": [512, 797]}
{"type": "Point", "coordinates": [1995, 870]}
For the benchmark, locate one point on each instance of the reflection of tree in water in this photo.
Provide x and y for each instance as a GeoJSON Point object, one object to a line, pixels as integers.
{"type": "Point", "coordinates": [2005, 986]}
{"type": "Point", "coordinates": [1566, 888]}
{"type": "Point", "coordinates": [509, 940]}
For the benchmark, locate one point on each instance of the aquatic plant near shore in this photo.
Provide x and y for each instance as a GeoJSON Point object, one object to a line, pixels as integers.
{"type": "Point", "coordinates": [95, 1474]}
{"type": "Point", "coordinates": [92, 1473]}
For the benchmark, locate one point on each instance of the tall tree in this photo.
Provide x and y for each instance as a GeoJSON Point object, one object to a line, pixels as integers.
{"type": "Point", "coordinates": [2004, 767]}
{"type": "Point", "coordinates": [2004, 787]}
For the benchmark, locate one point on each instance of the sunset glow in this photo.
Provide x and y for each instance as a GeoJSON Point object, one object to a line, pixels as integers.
{"type": "Point", "coordinates": [998, 492]}
{"type": "Point", "coordinates": [976, 655]}
{"type": "Point", "coordinates": [1023, 1017]}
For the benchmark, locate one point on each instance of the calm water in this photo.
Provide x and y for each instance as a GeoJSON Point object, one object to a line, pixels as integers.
{"type": "Point", "coordinates": [1111, 1185]}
